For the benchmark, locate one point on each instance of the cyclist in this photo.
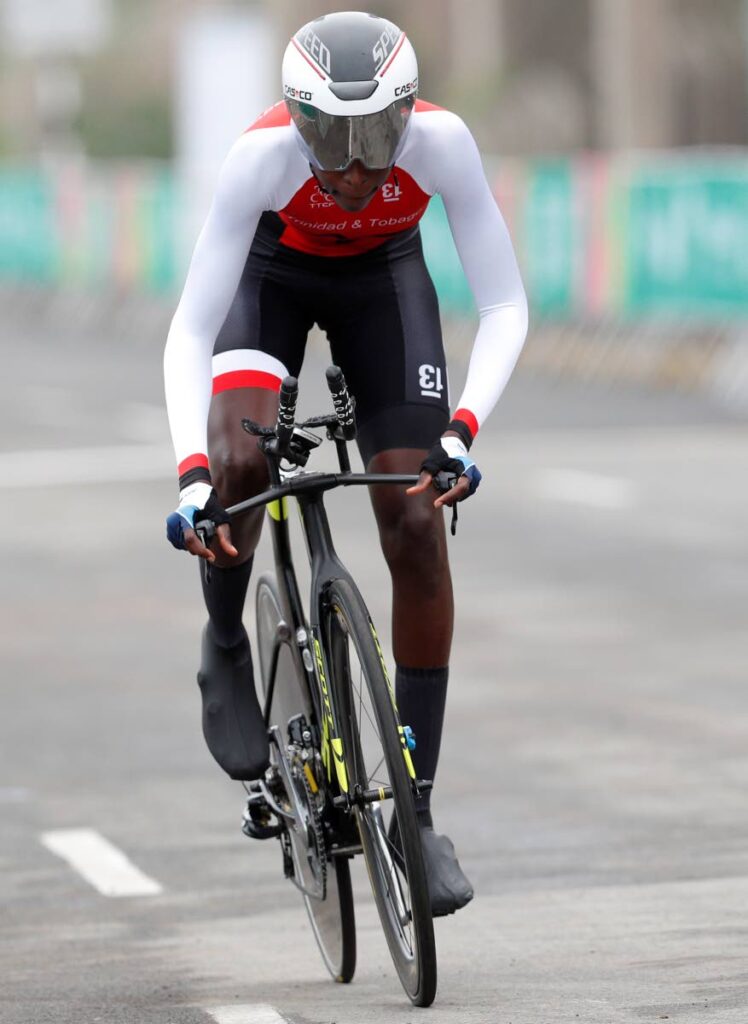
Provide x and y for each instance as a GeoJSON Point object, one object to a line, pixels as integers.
{"type": "Point", "coordinates": [315, 219]}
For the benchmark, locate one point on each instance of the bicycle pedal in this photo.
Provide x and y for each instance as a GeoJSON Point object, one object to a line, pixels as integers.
{"type": "Point", "coordinates": [257, 821]}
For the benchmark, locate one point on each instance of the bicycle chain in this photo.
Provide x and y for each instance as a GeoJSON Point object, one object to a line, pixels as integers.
{"type": "Point", "coordinates": [320, 852]}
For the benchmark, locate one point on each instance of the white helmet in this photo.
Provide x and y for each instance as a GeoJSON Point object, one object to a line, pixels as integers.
{"type": "Point", "coordinates": [350, 81]}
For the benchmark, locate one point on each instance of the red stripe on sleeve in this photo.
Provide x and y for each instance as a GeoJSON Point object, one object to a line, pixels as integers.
{"type": "Point", "coordinates": [198, 460]}
{"type": "Point", "coordinates": [245, 379]}
{"type": "Point", "coordinates": [466, 417]}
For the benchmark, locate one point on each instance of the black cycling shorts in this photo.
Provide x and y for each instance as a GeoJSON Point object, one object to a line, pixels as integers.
{"type": "Point", "coordinates": [381, 316]}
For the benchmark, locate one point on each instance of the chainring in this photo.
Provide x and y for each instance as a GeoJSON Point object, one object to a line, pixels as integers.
{"type": "Point", "coordinates": [312, 847]}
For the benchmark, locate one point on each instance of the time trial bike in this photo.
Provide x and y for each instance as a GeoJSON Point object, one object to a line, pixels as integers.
{"type": "Point", "coordinates": [341, 780]}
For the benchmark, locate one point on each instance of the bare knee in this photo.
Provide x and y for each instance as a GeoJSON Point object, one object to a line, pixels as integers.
{"type": "Point", "coordinates": [413, 540]}
{"type": "Point", "coordinates": [237, 475]}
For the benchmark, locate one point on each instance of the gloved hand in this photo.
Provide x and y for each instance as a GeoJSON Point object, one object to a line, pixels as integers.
{"type": "Point", "coordinates": [449, 455]}
{"type": "Point", "coordinates": [199, 501]}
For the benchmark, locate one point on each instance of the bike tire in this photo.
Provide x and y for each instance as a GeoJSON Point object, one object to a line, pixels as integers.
{"type": "Point", "coordinates": [332, 919]}
{"type": "Point", "coordinates": [374, 757]}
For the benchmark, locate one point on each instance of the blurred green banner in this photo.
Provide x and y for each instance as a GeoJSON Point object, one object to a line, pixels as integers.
{"type": "Point", "coordinates": [595, 236]}
{"type": "Point", "coordinates": [29, 245]}
{"type": "Point", "coordinates": [687, 239]}
{"type": "Point", "coordinates": [550, 237]}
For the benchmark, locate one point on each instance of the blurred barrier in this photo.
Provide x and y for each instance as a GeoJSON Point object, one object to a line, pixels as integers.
{"type": "Point", "coordinates": [91, 227]}
{"type": "Point", "coordinates": [636, 237]}
{"type": "Point", "coordinates": [597, 237]}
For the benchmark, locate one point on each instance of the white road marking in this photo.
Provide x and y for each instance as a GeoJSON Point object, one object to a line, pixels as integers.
{"type": "Point", "coordinates": [99, 862]}
{"type": "Point", "coordinates": [14, 794]}
{"type": "Point", "coordinates": [581, 488]}
{"type": "Point", "coordinates": [251, 1013]}
{"type": "Point", "coordinates": [69, 466]}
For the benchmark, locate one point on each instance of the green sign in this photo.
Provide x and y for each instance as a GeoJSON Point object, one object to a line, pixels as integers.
{"type": "Point", "coordinates": [550, 237]}
{"type": "Point", "coordinates": [688, 239]}
{"type": "Point", "coordinates": [612, 236]}
{"type": "Point", "coordinates": [159, 212]}
{"type": "Point", "coordinates": [28, 227]}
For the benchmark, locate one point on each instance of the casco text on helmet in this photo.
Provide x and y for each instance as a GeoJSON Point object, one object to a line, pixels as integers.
{"type": "Point", "coordinates": [350, 80]}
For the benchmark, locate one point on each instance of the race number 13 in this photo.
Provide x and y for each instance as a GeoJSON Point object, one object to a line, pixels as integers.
{"type": "Point", "coordinates": [430, 381]}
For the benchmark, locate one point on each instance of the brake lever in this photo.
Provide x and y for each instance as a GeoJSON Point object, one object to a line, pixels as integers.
{"type": "Point", "coordinates": [206, 531]}
{"type": "Point", "coordinates": [443, 482]}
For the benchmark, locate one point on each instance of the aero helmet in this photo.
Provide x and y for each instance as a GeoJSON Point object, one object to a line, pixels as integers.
{"type": "Point", "coordinates": [350, 81]}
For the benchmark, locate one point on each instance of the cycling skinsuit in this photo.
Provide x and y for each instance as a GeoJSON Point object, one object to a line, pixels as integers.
{"type": "Point", "coordinates": [277, 255]}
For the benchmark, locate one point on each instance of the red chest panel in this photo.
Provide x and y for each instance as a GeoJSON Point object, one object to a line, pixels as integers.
{"type": "Point", "coordinates": [316, 224]}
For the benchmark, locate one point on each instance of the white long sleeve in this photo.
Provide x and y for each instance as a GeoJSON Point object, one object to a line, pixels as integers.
{"type": "Point", "coordinates": [447, 162]}
{"type": "Point", "coordinates": [254, 173]}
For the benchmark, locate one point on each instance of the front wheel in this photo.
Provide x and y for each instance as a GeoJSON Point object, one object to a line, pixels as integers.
{"type": "Point", "coordinates": [332, 918]}
{"type": "Point", "coordinates": [381, 787]}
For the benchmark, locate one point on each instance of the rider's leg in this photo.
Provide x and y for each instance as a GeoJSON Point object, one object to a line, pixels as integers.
{"type": "Point", "coordinates": [238, 470]}
{"type": "Point", "coordinates": [389, 345]}
{"type": "Point", "coordinates": [232, 720]}
{"type": "Point", "coordinates": [262, 340]}
{"type": "Point", "coordinates": [390, 348]}
{"type": "Point", "coordinates": [414, 543]}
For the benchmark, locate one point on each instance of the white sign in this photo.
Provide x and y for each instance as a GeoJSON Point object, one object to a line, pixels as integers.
{"type": "Point", "coordinates": [34, 27]}
{"type": "Point", "coordinates": [228, 72]}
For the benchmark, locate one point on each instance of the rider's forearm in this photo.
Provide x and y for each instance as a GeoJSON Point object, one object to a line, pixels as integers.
{"type": "Point", "coordinates": [188, 384]}
{"type": "Point", "coordinates": [498, 344]}
{"type": "Point", "coordinates": [488, 259]}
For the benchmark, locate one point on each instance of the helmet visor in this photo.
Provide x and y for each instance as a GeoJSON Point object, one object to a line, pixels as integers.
{"type": "Point", "coordinates": [335, 141]}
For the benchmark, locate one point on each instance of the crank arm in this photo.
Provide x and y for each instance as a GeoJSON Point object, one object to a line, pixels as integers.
{"type": "Point", "coordinates": [295, 816]}
{"type": "Point", "coordinates": [273, 805]}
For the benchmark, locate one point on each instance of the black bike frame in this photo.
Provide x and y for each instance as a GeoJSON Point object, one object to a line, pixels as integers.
{"type": "Point", "coordinates": [308, 489]}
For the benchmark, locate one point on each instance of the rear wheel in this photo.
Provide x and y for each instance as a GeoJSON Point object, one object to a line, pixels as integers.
{"type": "Point", "coordinates": [332, 918]}
{"type": "Point", "coordinates": [381, 785]}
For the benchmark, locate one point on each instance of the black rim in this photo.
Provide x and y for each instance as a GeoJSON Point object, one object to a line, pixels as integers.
{"type": "Point", "coordinates": [376, 762]}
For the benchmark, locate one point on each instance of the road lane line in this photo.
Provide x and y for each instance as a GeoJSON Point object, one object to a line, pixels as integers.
{"type": "Point", "coordinates": [99, 862]}
{"type": "Point", "coordinates": [251, 1013]}
{"type": "Point", "coordinates": [60, 467]}
{"type": "Point", "coordinates": [582, 488]}
{"type": "Point", "coordinates": [14, 794]}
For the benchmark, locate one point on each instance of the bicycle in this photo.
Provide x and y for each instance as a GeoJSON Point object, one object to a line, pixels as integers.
{"type": "Point", "coordinates": [341, 779]}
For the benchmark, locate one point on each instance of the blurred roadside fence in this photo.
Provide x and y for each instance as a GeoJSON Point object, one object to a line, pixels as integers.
{"type": "Point", "coordinates": [90, 227]}
{"type": "Point", "coordinates": [636, 266]}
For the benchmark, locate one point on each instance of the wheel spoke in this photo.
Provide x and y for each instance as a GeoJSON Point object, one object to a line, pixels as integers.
{"type": "Point", "coordinates": [375, 760]}
{"type": "Point", "coordinates": [366, 712]}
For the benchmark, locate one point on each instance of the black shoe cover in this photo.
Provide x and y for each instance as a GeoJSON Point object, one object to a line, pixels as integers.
{"type": "Point", "coordinates": [449, 889]}
{"type": "Point", "coordinates": [232, 720]}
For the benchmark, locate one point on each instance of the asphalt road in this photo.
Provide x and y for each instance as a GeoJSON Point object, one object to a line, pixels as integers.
{"type": "Point", "coordinates": [595, 765]}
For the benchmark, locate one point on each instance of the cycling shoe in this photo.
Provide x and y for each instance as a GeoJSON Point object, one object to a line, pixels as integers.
{"type": "Point", "coordinates": [449, 889]}
{"type": "Point", "coordinates": [233, 725]}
